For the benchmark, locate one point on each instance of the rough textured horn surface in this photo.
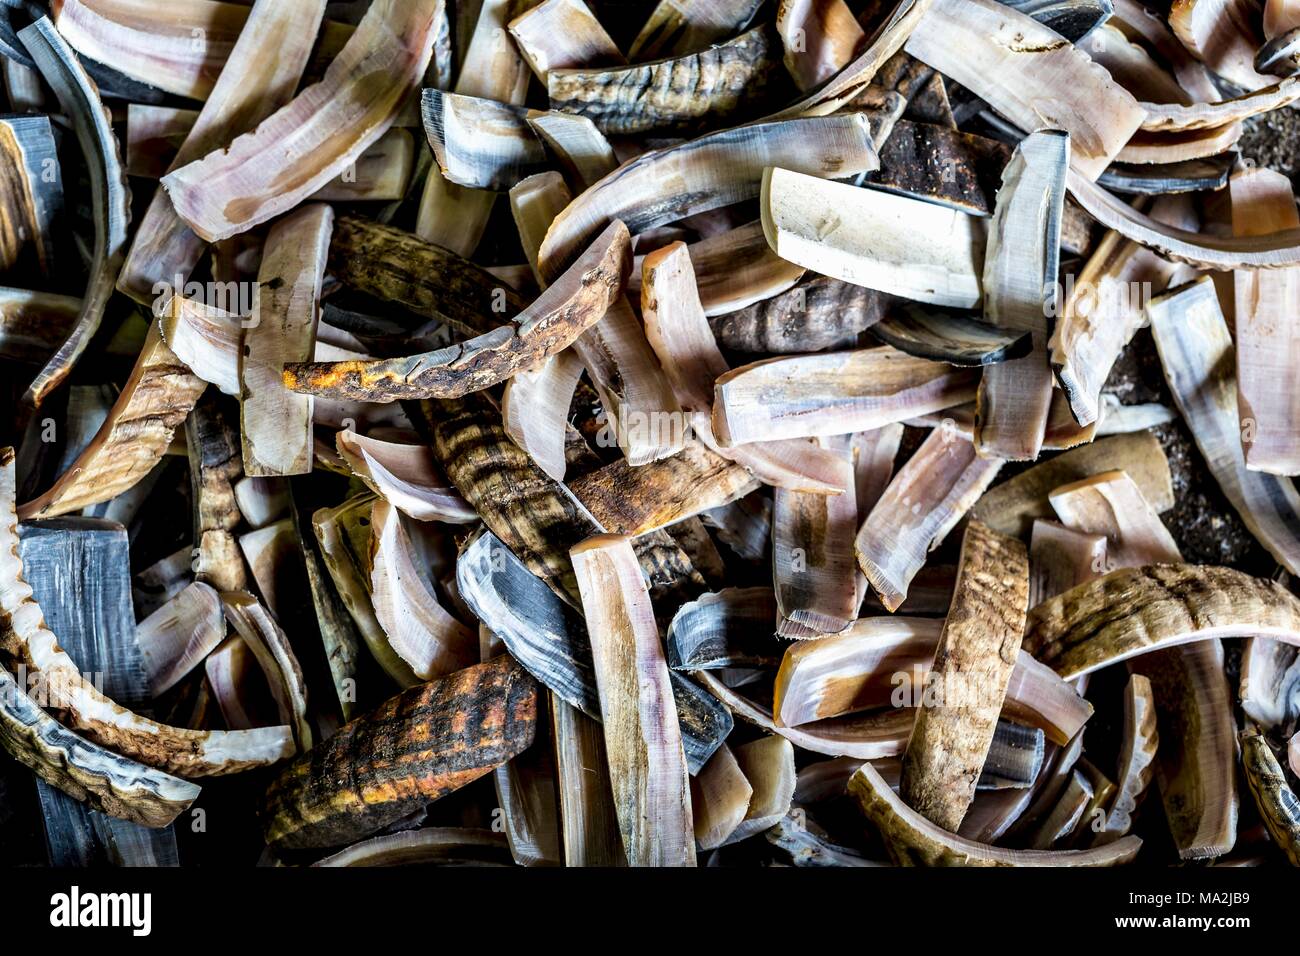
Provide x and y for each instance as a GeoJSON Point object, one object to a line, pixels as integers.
{"type": "Point", "coordinates": [574, 302]}
{"type": "Point", "coordinates": [912, 840]}
{"type": "Point", "coordinates": [1134, 611]}
{"type": "Point", "coordinates": [416, 747]}
{"type": "Point", "coordinates": [137, 433]}
{"type": "Point", "coordinates": [973, 662]}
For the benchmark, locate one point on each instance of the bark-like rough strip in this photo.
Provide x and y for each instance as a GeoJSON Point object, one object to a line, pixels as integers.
{"type": "Point", "coordinates": [571, 305]}
{"type": "Point", "coordinates": [430, 281]}
{"type": "Point", "coordinates": [680, 94]}
{"type": "Point", "coordinates": [413, 749]}
{"type": "Point", "coordinates": [1274, 797]}
{"type": "Point", "coordinates": [942, 165]}
{"type": "Point", "coordinates": [216, 462]}
{"type": "Point", "coordinates": [816, 315]}
{"type": "Point", "coordinates": [536, 517]}
{"type": "Point", "coordinates": [912, 840]}
{"type": "Point", "coordinates": [632, 501]}
{"type": "Point", "coordinates": [1012, 506]}
{"type": "Point", "coordinates": [976, 654]}
{"type": "Point", "coordinates": [1134, 611]}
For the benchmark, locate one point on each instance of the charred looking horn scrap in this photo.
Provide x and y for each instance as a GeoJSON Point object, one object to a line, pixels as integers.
{"type": "Point", "coordinates": [576, 433]}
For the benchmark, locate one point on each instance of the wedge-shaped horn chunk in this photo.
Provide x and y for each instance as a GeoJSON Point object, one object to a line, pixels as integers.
{"type": "Point", "coordinates": [416, 747]}
{"type": "Point", "coordinates": [768, 765]}
{"type": "Point", "coordinates": [1019, 280]}
{"type": "Point", "coordinates": [820, 38]}
{"type": "Point", "coordinates": [812, 559]}
{"type": "Point", "coordinates": [275, 423]}
{"type": "Point", "coordinates": [865, 236]}
{"type": "Point", "coordinates": [1268, 398]}
{"type": "Point", "coordinates": [1276, 801]}
{"type": "Point", "coordinates": [206, 339]}
{"type": "Point", "coordinates": [406, 476]}
{"type": "Point", "coordinates": [419, 628]}
{"type": "Point", "coordinates": [912, 840]}
{"type": "Point", "coordinates": [1061, 558]}
{"type": "Point", "coordinates": [1031, 75]}
{"type": "Point", "coordinates": [1134, 611]}
{"type": "Point", "coordinates": [573, 303]}
{"type": "Point", "coordinates": [832, 394]}
{"type": "Point", "coordinates": [1012, 507]}
{"type": "Point", "coordinates": [709, 172]}
{"type": "Point", "coordinates": [646, 760]}
{"type": "Point", "coordinates": [307, 142]}
{"type": "Point", "coordinates": [1112, 505]}
{"type": "Point", "coordinates": [681, 26]}
{"type": "Point", "coordinates": [923, 502]}
{"type": "Point", "coordinates": [557, 34]}
{"type": "Point", "coordinates": [179, 635]}
{"type": "Point", "coordinates": [737, 269]}
{"type": "Point", "coordinates": [480, 143]}
{"type": "Point", "coordinates": [972, 665]}
{"type": "Point", "coordinates": [720, 795]}
{"type": "Point", "coordinates": [727, 628]}
{"type": "Point", "coordinates": [634, 501]}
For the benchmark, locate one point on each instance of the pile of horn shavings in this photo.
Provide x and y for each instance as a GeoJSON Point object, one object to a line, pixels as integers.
{"type": "Point", "coordinates": [660, 434]}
